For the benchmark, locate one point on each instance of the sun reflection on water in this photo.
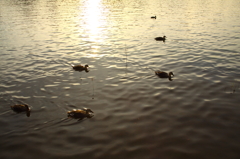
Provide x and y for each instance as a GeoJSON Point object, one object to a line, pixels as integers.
{"type": "Point", "coordinates": [94, 20]}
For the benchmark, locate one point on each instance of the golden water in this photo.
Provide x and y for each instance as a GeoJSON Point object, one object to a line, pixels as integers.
{"type": "Point", "coordinates": [136, 114]}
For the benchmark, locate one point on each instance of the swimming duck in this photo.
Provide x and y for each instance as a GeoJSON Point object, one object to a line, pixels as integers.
{"type": "Point", "coordinates": [80, 68]}
{"type": "Point", "coordinates": [18, 108]}
{"type": "Point", "coordinates": [154, 17]}
{"type": "Point", "coordinates": [160, 38]}
{"type": "Point", "coordinates": [162, 74]}
{"type": "Point", "coordinates": [80, 113]}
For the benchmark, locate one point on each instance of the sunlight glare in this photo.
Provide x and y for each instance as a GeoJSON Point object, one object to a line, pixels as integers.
{"type": "Point", "coordinates": [94, 20]}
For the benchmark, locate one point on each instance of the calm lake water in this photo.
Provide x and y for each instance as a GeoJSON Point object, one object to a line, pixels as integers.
{"type": "Point", "coordinates": [137, 115]}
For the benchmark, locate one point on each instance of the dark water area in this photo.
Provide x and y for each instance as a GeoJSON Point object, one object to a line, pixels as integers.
{"type": "Point", "coordinates": [137, 115]}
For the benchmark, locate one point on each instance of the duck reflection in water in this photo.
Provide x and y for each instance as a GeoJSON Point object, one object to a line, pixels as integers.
{"type": "Point", "coordinates": [162, 74]}
{"type": "Point", "coordinates": [80, 113]}
{"type": "Point", "coordinates": [18, 108]}
{"type": "Point", "coordinates": [161, 38]}
{"type": "Point", "coordinates": [80, 68]}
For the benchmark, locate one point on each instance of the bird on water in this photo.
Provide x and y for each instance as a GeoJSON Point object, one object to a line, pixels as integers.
{"type": "Point", "coordinates": [154, 17]}
{"type": "Point", "coordinates": [80, 113]}
{"type": "Point", "coordinates": [80, 68]}
{"type": "Point", "coordinates": [18, 108]}
{"type": "Point", "coordinates": [162, 74]}
{"type": "Point", "coordinates": [160, 38]}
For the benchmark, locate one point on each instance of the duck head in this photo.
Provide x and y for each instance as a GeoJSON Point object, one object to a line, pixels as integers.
{"type": "Point", "coordinates": [27, 110]}
{"type": "Point", "coordinates": [88, 110]}
{"type": "Point", "coordinates": [86, 68]}
{"type": "Point", "coordinates": [171, 73]}
{"type": "Point", "coordinates": [170, 76]}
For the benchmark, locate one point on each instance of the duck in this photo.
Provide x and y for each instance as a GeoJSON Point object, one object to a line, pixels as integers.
{"type": "Point", "coordinates": [160, 38]}
{"type": "Point", "coordinates": [162, 74]}
{"type": "Point", "coordinates": [154, 17]}
{"type": "Point", "coordinates": [18, 108]}
{"type": "Point", "coordinates": [80, 113]}
{"type": "Point", "coordinates": [80, 68]}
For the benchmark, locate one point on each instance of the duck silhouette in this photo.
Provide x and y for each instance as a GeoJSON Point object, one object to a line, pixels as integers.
{"type": "Point", "coordinates": [18, 108]}
{"type": "Point", "coordinates": [154, 17]}
{"type": "Point", "coordinates": [80, 68]}
{"type": "Point", "coordinates": [80, 113]}
{"type": "Point", "coordinates": [161, 38]}
{"type": "Point", "coordinates": [162, 74]}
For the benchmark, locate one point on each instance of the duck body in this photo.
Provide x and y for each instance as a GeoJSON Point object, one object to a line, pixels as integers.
{"type": "Point", "coordinates": [80, 113]}
{"type": "Point", "coordinates": [162, 74]}
{"type": "Point", "coordinates": [160, 38]}
{"type": "Point", "coordinates": [80, 68]}
{"type": "Point", "coordinates": [153, 17]}
{"type": "Point", "coordinates": [18, 108]}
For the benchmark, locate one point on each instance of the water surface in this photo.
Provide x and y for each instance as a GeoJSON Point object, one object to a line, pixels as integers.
{"type": "Point", "coordinates": [136, 114]}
